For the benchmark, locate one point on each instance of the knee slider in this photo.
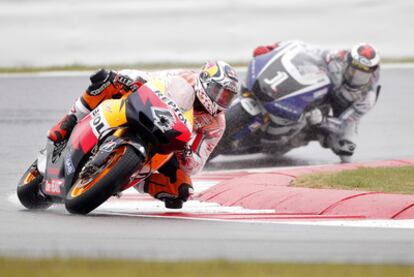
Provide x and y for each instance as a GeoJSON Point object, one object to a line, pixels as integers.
{"type": "Point", "coordinates": [184, 192]}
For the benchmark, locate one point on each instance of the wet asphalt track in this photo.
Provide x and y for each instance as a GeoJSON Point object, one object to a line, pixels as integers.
{"type": "Point", "coordinates": [30, 105]}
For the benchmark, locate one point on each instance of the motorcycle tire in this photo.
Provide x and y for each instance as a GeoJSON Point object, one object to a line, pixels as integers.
{"type": "Point", "coordinates": [28, 190]}
{"type": "Point", "coordinates": [82, 197]}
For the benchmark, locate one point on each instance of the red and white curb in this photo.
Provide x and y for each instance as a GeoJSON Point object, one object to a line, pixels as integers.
{"type": "Point", "coordinates": [133, 204]}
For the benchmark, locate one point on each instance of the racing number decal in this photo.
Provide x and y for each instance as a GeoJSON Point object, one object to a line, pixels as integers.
{"type": "Point", "coordinates": [163, 118]}
{"type": "Point", "coordinates": [277, 80]}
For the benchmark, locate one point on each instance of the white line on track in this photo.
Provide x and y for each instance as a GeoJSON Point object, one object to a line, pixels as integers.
{"type": "Point", "coordinates": [386, 223]}
{"type": "Point", "coordinates": [149, 208]}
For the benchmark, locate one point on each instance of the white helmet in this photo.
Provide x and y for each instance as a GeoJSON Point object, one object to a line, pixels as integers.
{"type": "Point", "coordinates": [363, 61]}
{"type": "Point", "coordinates": [217, 85]}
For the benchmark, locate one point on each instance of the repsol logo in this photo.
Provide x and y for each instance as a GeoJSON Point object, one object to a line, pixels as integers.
{"type": "Point", "coordinates": [172, 104]}
{"type": "Point", "coordinates": [97, 122]}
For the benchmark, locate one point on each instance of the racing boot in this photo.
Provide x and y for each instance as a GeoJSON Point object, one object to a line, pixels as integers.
{"type": "Point", "coordinates": [173, 194]}
{"type": "Point", "coordinates": [62, 130]}
{"type": "Point", "coordinates": [344, 148]}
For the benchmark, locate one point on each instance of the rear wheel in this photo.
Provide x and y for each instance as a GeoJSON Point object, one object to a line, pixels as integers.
{"type": "Point", "coordinates": [94, 187]}
{"type": "Point", "coordinates": [28, 190]}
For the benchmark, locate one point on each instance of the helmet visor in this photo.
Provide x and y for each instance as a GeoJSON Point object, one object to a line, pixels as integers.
{"type": "Point", "coordinates": [356, 77]}
{"type": "Point", "coordinates": [221, 96]}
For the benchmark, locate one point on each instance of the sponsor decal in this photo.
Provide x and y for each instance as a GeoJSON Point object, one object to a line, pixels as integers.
{"type": "Point", "coordinates": [69, 167]}
{"type": "Point", "coordinates": [231, 72]}
{"type": "Point", "coordinates": [53, 170]}
{"type": "Point", "coordinates": [99, 90]}
{"type": "Point", "coordinates": [212, 69]}
{"type": "Point", "coordinates": [172, 104]}
{"type": "Point", "coordinates": [98, 123]}
{"type": "Point", "coordinates": [163, 118]}
{"type": "Point", "coordinates": [53, 186]}
{"type": "Point", "coordinates": [285, 108]}
{"type": "Point", "coordinates": [109, 146]}
{"type": "Point", "coordinates": [203, 120]}
{"type": "Point", "coordinates": [253, 75]}
{"type": "Point", "coordinates": [95, 112]}
{"type": "Point", "coordinates": [125, 80]}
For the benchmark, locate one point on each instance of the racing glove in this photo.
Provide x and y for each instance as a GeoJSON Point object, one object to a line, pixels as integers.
{"type": "Point", "coordinates": [127, 83]}
{"type": "Point", "coordinates": [263, 49]}
{"type": "Point", "coordinates": [104, 78]}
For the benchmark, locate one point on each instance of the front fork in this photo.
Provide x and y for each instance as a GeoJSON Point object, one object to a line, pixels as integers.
{"type": "Point", "coordinates": [112, 142]}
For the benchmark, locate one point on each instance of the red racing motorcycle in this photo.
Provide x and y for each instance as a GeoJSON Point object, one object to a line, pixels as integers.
{"type": "Point", "coordinates": [117, 146]}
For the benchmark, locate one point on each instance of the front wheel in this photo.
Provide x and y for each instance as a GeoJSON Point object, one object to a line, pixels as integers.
{"type": "Point", "coordinates": [28, 190]}
{"type": "Point", "coordinates": [237, 119]}
{"type": "Point", "coordinates": [93, 188]}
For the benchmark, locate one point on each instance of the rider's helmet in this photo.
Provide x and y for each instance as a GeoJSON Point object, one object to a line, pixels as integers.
{"type": "Point", "coordinates": [363, 60]}
{"type": "Point", "coordinates": [217, 85]}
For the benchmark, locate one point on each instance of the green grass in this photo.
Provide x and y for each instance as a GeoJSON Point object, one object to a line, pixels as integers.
{"type": "Point", "coordinates": [76, 67]}
{"type": "Point", "coordinates": [398, 60]}
{"type": "Point", "coordinates": [393, 180]}
{"type": "Point", "coordinates": [11, 267]}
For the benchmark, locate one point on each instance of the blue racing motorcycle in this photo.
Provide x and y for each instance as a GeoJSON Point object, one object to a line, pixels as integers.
{"type": "Point", "coordinates": [286, 91]}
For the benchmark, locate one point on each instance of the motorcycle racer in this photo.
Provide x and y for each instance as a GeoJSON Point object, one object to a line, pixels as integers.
{"type": "Point", "coordinates": [209, 93]}
{"type": "Point", "coordinates": [354, 74]}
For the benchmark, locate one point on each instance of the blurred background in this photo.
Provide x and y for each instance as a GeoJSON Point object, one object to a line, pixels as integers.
{"type": "Point", "coordinates": [38, 33]}
{"type": "Point", "coordinates": [49, 33]}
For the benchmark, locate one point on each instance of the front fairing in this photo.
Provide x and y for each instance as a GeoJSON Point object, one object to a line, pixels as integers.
{"type": "Point", "coordinates": [60, 167]}
{"type": "Point", "coordinates": [54, 174]}
{"type": "Point", "coordinates": [288, 80]}
{"type": "Point", "coordinates": [158, 120]}
{"type": "Point", "coordinates": [63, 160]}
{"type": "Point", "coordinates": [154, 118]}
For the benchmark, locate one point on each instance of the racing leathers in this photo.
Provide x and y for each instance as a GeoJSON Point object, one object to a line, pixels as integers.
{"type": "Point", "coordinates": [348, 104]}
{"type": "Point", "coordinates": [172, 184]}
